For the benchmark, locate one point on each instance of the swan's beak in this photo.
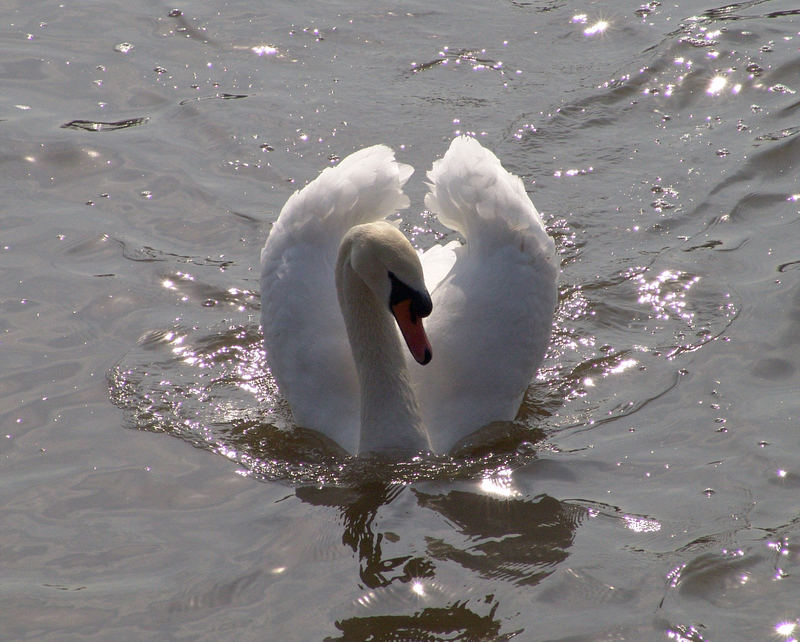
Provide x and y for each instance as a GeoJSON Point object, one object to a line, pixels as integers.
{"type": "Point", "coordinates": [413, 332]}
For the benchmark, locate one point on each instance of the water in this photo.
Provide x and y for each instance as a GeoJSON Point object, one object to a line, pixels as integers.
{"type": "Point", "coordinates": [649, 487]}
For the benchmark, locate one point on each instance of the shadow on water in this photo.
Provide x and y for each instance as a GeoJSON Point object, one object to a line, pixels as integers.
{"type": "Point", "coordinates": [517, 540]}
{"type": "Point", "coordinates": [512, 539]}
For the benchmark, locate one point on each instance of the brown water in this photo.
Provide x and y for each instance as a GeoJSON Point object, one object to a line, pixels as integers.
{"type": "Point", "coordinates": [650, 487]}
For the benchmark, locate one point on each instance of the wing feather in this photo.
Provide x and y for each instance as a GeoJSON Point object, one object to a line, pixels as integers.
{"type": "Point", "coordinates": [304, 333]}
{"type": "Point", "coordinates": [492, 313]}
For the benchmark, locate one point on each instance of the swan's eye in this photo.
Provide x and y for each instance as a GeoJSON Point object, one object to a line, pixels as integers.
{"type": "Point", "coordinates": [421, 304]}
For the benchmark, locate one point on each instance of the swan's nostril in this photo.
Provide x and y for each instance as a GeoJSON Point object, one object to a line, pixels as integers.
{"type": "Point", "coordinates": [427, 358]}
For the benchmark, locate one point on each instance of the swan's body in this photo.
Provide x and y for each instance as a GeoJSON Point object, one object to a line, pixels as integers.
{"type": "Point", "coordinates": [493, 302]}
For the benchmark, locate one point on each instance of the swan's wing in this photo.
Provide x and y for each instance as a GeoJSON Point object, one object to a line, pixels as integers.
{"type": "Point", "coordinates": [492, 313]}
{"type": "Point", "coordinates": [304, 333]}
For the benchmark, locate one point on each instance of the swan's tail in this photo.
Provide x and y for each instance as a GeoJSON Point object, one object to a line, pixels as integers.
{"type": "Point", "coordinates": [473, 194]}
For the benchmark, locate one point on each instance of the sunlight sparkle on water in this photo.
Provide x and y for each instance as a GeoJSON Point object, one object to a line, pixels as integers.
{"type": "Point", "coordinates": [785, 628]}
{"type": "Point", "coordinates": [716, 85]}
{"type": "Point", "coordinates": [499, 483]}
{"type": "Point", "coordinates": [418, 588]}
{"type": "Point", "coordinates": [666, 293]}
{"type": "Point", "coordinates": [598, 27]}
{"type": "Point", "coordinates": [622, 366]}
{"type": "Point", "coordinates": [264, 50]}
{"type": "Point", "coordinates": [641, 525]}
{"type": "Point", "coordinates": [683, 635]}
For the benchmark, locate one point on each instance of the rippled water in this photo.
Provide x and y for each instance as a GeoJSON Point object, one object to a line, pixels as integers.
{"type": "Point", "coordinates": [647, 490]}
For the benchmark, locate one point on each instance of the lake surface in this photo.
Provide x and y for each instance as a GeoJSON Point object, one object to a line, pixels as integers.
{"type": "Point", "coordinates": [152, 485]}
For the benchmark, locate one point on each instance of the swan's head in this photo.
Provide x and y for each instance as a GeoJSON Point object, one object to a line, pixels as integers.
{"type": "Point", "coordinates": [390, 267]}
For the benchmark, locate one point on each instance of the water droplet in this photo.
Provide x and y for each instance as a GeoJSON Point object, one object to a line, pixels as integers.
{"type": "Point", "coordinates": [526, 448]}
{"type": "Point", "coordinates": [755, 69]}
{"type": "Point", "coordinates": [123, 47]}
{"type": "Point", "coordinates": [780, 88]}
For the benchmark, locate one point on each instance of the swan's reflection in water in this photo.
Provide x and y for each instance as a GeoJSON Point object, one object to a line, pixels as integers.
{"type": "Point", "coordinates": [506, 539]}
{"type": "Point", "coordinates": [359, 507]}
{"type": "Point", "coordinates": [517, 540]}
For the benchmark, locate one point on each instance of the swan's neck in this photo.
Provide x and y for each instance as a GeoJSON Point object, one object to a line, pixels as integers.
{"type": "Point", "coordinates": [390, 419]}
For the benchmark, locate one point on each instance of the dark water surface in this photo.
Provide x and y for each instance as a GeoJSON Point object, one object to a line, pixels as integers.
{"type": "Point", "coordinates": [650, 489]}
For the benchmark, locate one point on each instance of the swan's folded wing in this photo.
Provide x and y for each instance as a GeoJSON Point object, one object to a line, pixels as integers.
{"type": "Point", "coordinates": [492, 313]}
{"type": "Point", "coordinates": [304, 334]}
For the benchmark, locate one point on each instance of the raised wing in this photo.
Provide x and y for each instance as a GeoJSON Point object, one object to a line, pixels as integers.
{"type": "Point", "coordinates": [304, 333]}
{"type": "Point", "coordinates": [492, 313]}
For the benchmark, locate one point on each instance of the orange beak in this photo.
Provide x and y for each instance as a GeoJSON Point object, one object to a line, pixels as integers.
{"type": "Point", "coordinates": [413, 332]}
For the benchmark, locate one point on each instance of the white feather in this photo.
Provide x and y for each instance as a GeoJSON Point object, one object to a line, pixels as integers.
{"type": "Point", "coordinates": [493, 312]}
{"type": "Point", "coordinates": [304, 333]}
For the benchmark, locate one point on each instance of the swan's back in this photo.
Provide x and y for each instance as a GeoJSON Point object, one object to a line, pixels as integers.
{"type": "Point", "coordinates": [304, 333]}
{"type": "Point", "coordinates": [492, 314]}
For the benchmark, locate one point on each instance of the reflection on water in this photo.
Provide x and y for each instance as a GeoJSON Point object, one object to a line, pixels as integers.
{"type": "Point", "coordinates": [99, 126]}
{"type": "Point", "coordinates": [518, 541]}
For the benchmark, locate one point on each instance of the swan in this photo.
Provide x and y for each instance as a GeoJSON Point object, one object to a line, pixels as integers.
{"type": "Point", "coordinates": [342, 291]}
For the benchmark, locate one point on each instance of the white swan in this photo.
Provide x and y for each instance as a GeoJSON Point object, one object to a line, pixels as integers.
{"type": "Point", "coordinates": [341, 363]}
